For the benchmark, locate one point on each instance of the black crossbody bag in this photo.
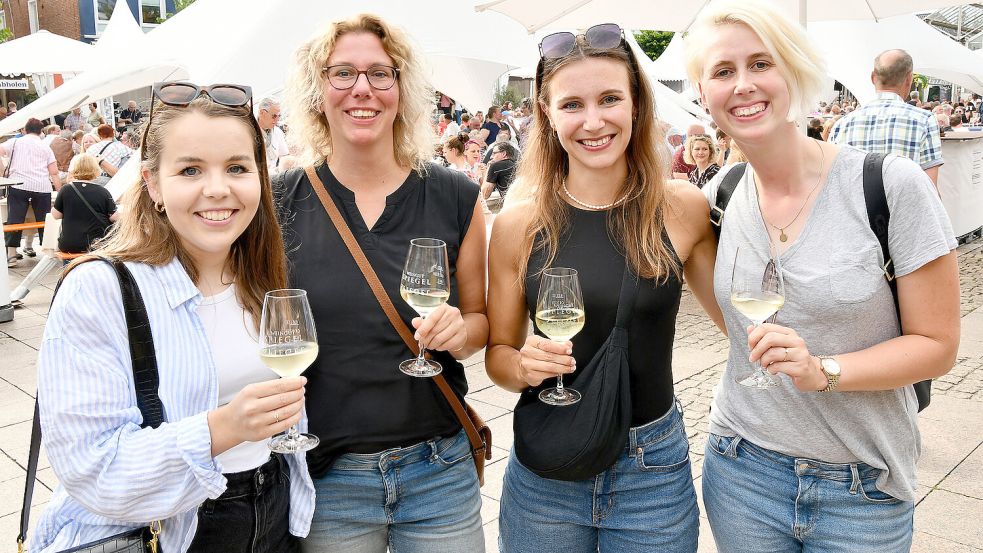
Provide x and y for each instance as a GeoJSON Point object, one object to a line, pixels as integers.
{"type": "Point", "coordinates": [879, 215]}
{"type": "Point", "coordinates": [146, 382]}
{"type": "Point", "coordinates": [582, 440]}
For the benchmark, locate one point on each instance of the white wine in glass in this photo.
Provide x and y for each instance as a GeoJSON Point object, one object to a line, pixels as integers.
{"type": "Point", "coordinates": [758, 293]}
{"type": "Point", "coordinates": [559, 316]}
{"type": "Point", "coordinates": [288, 345]}
{"type": "Point", "coordinates": [425, 286]}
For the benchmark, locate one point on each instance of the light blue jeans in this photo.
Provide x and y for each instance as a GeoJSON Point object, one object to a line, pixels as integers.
{"type": "Point", "coordinates": [761, 501]}
{"type": "Point", "coordinates": [644, 503]}
{"type": "Point", "coordinates": [419, 499]}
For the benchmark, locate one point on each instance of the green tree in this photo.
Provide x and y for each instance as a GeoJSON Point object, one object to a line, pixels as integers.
{"type": "Point", "coordinates": [505, 94]}
{"type": "Point", "coordinates": [5, 35]}
{"type": "Point", "coordinates": [653, 43]}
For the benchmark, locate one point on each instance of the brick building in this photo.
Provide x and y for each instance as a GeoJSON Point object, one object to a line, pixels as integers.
{"type": "Point", "coordinates": [77, 19]}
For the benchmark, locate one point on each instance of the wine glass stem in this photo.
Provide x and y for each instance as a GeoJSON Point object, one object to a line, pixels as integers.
{"type": "Point", "coordinates": [292, 432]}
{"type": "Point", "coordinates": [559, 384]}
{"type": "Point", "coordinates": [421, 359]}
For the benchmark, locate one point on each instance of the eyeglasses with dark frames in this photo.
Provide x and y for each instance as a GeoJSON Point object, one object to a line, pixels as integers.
{"type": "Point", "coordinates": [344, 76]}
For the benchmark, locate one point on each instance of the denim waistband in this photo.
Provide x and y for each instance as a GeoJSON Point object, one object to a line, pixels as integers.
{"type": "Point", "coordinates": [257, 480]}
{"type": "Point", "coordinates": [654, 431]}
{"type": "Point", "coordinates": [397, 456]}
{"type": "Point", "coordinates": [803, 466]}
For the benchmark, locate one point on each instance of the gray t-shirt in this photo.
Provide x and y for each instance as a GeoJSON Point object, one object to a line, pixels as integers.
{"type": "Point", "coordinates": [838, 301]}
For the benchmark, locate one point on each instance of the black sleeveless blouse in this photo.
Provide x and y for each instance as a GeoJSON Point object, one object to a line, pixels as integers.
{"type": "Point", "coordinates": [357, 399]}
{"type": "Point", "coordinates": [587, 247]}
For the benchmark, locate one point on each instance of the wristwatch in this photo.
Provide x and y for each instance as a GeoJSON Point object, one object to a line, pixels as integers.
{"type": "Point", "coordinates": [831, 369]}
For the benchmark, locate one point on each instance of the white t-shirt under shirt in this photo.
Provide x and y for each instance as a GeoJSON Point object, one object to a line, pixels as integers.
{"type": "Point", "coordinates": [235, 350]}
{"type": "Point", "coordinates": [838, 301]}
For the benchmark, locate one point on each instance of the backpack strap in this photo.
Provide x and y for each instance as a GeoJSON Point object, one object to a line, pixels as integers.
{"type": "Point", "coordinates": [879, 215]}
{"type": "Point", "coordinates": [726, 189]}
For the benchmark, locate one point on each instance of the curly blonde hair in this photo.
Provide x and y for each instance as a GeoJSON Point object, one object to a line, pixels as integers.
{"type": "Point", "coordinates": [413, 137]}
{"type": "Point", "coordinates": [704, 138]}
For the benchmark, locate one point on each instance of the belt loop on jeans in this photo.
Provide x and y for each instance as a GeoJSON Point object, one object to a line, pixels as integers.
{"type": "Point", "coordinates": [856, 479]}
{"type": "Point", "coordinates": [732, 448]}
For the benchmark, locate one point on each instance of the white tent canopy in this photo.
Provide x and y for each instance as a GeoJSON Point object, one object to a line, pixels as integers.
{"type": "Point", "coordinates": [44, 52]}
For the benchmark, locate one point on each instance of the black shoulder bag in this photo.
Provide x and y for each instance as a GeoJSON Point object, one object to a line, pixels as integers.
{"type": "Point", "coordinates": [878, 214]}
{"type": "Point", "coordinates": [146, 382]}
{"type": "Point", "coordinates": [582, 440]}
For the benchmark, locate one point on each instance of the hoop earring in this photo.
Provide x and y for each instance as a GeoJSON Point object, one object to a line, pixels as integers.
{"type": "Point", "coordinates": [159, 207]}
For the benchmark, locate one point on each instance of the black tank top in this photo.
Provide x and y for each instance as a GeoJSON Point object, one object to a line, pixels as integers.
{"type": "Point", "coordinates": [587, 247]}
{"type": "Point", "coordinates": [357, 399]}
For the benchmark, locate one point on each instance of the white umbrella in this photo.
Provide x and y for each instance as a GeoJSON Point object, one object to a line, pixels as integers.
{"type": "Point", "coordinates": [44, 52]}
{"type": "Point", "coordinates": [673, 15]}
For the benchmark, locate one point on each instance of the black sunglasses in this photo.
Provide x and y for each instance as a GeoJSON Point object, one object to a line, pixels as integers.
{"type": "Point", "coordinates": [604, 36]}
{"type": "Point", "coordinates": [181, 94]}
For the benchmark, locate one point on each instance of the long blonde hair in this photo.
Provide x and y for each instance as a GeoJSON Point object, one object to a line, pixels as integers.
{"type": "Point", "coordinates": [257, 260]}
{"type": "Point", "coordinates": [637, 224]}
{"type": "Point", "coordinates": [413, 137]}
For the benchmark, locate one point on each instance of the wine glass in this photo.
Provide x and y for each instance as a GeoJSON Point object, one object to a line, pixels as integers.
{"type": "Point", "coordinates": [758, 293]}
{"type": "Point", "coordinates": [288, 345]}
{"type": "Point", "coordinates": [425, 286]}
{"type": "Point", "coordinates": [559, 316]}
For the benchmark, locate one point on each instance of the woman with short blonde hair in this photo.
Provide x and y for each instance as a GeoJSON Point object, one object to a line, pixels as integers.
{"type": "Point", "coordinates": [701, 152]}
{"type": "Point", "coordinates": [818, 452]}
{"type": "Point", "coordinates": [360, 106]}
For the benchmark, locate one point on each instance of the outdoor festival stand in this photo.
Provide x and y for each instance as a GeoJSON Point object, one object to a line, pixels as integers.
{"type": "Point", "coordinates": [961, 182]}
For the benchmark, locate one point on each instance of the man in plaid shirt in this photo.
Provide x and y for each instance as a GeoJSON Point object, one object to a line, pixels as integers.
{"type": "Point", "coordinates": [890, 125]}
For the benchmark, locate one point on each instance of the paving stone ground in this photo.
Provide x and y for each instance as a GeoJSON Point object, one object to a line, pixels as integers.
{"type": "Point", "coordinates": [948, 512]}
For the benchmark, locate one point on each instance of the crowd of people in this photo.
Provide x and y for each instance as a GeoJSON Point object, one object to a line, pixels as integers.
{"type": "Point", "coordinates": [231, 203]}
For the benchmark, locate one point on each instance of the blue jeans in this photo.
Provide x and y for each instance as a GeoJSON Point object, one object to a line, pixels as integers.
{"type": "Point", "coordinates": [418, 499]}
{"type": "Point", "coordinates": [761, 501]}
{"type": "Point", "coordinates": [644, 502]}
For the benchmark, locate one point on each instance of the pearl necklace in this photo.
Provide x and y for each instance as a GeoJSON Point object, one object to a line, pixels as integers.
{"type": "Point", "coordinates": [592, 206]}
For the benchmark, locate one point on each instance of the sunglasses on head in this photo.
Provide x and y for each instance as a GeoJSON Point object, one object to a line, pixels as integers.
{"type": "Point", "coordinates": [181, 94]}
{"type": "Point", "coordinates": [604, 36]}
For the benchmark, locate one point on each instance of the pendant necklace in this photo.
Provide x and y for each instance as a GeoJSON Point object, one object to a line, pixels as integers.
{"type": "Point", "coordinates": [781, 230]}
{"type": "Point", "coordinates": [592, 206]}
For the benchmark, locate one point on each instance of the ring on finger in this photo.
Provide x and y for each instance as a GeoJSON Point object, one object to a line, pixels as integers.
{"type": "Point", "coordinates": [786, 356]}
{"type": "Point", "coordinates": [276, 417]}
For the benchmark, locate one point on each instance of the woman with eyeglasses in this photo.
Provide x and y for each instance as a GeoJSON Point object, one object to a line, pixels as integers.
{"type": "Point", "coordinates": [592, 196]}
{"type": "Point", "coordinates": [201, 238]}
{"type": "Point", "coordinates": [394, 467]}
{"type": "Point", "coordinates": [824, 458]}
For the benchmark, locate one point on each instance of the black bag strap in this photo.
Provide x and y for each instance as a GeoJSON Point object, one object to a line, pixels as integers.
{"type": "Point", "coordinates": [99, 217]}
{"type": "Point", "coordinates": [10, 162]}
{"type": "Point", "coordinates": [145, 377]}
{"type": "Point", "coordinates": [106, 146]}
{"type": "Point", "coordinates": [626, 299]}
{"type": "Point", "coordinates": [726, 189]}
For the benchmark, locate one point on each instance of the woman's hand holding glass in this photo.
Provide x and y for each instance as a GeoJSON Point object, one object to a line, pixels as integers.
{"type": "Point", "coordinates": [781, 350]}
{"type": "Point", "coordinates": [260, 411]}
{"type": "Point", "coordinates": [442, 330]}
{"type": "Point", "coordinates": [541, 358]}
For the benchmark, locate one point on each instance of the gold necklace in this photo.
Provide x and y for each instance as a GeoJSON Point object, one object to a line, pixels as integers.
{"type": "Point", "coordinates": [781, 230]}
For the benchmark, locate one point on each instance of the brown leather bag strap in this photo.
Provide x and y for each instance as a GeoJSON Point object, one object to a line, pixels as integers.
{"type": "Point", "coordinates": [386, 303]}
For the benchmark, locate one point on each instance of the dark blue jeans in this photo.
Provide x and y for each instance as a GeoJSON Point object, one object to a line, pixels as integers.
{"type": "Point", "coordinates": [252, 516]}
{"type": "Point", "coordinates": [17, 204]}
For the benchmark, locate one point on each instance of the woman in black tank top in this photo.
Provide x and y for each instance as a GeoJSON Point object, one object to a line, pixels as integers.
{"type": "Point", "coordinates": [592, 196]}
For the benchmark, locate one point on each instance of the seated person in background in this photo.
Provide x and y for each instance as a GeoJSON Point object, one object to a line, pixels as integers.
{"type": "Point", "coordinates": [499, 174]}
{"type": "Point", "coordinates": [956, 122]}
{"type": "Point", "coordinates": [87, 208]}
{"type": "Point", "coordinates": [109, 151]}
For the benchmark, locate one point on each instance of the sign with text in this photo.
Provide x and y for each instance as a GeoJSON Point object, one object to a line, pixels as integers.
{"type": "Point", "coordinates": [13, 84]}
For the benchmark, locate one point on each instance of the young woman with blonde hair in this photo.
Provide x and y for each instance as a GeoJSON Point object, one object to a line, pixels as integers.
{"type": "Point", "coordinates": [394, 467]}
{"type": "Point", "coordinates": [824, 459]}
{"type": "Point", "coordinates": [597, 202]}
{"type": "Point", "coordinates": [201, 239]}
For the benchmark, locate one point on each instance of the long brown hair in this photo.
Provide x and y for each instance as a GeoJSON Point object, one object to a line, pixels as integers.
{"type": "Point", "coordinates": [257, 260]}
{"type": "Point", "coordinates": [636, 226]}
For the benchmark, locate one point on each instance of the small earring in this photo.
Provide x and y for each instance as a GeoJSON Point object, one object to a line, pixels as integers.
{"type": "Point", "coordinates": [159, 207]}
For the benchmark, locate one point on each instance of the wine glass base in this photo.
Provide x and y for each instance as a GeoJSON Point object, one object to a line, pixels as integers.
{"type": "Point", "coordinates": [759, 379]}
{"type": "Point", "coordinates": [556, 396]}
{"type": "Point", "coordinates": [285, 443]}
{"type": "Point", "coordinates": [420, 369]}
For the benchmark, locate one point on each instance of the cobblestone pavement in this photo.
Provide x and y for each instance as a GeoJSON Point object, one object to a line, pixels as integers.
{"type": "Point", "coordinates": [950, 495]}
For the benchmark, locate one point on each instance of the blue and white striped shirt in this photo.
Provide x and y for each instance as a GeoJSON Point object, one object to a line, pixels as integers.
{"type": "Point", "coordinates": [114, 475]}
